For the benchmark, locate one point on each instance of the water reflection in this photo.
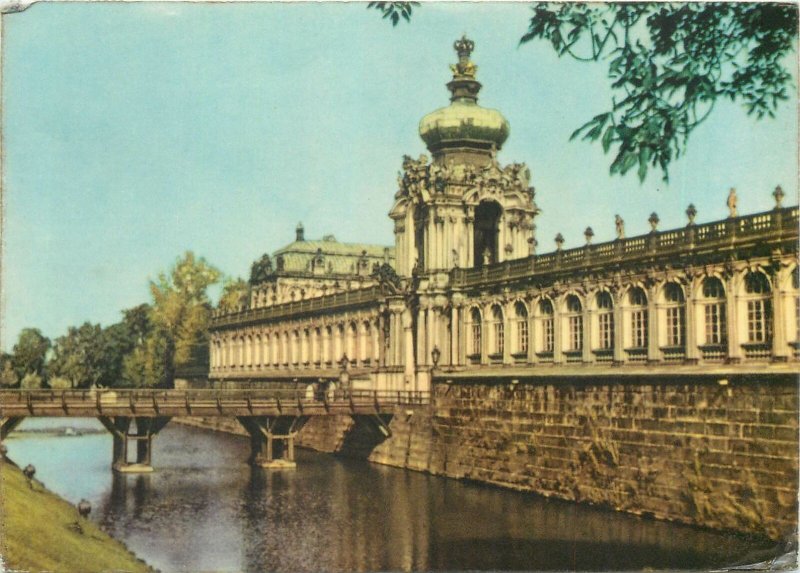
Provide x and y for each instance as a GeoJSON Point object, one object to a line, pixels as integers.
{"type": "Point", "coordinates": [205, 509]}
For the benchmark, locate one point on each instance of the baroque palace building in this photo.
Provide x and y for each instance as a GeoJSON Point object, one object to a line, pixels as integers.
{"type": "Point", "coordinates": [463, 289]}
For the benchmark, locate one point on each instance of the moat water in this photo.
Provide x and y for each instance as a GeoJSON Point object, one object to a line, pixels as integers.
{"type": "Point", "coordinates": [204, 509]}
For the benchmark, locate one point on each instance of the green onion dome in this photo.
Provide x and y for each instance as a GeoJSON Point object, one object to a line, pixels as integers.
{"type": "Point", "coordinates": [464, 123]}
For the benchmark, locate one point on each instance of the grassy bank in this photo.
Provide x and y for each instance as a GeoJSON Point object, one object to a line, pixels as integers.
{"type": "Point", "coordinates": [42, 532]}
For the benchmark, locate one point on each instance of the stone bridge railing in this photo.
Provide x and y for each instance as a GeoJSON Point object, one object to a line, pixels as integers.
{"type": "Point", "coordinates": [779, 223]}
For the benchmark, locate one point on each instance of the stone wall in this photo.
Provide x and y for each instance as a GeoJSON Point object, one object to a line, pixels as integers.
{"type": "Point", "coordinates": [721, 456]}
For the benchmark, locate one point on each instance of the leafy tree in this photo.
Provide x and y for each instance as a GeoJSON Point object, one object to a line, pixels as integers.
{"type": "Point", "coordinates": [394, 10]}
{"type": "Point", "coordinates": [31, 381]}
{"type": "Point", "coordinates": [235, 293]}
{"type": "Point", "coordinates": [668, 63]}
{"type": "Point", "coordinates": [30, 352]}
{"type": "Point", "coordinates": [8, 377]}
{"type": "Point", "coordinates": [81, 356]}
{"type": "Point", "coordinates": [179, 316]}
{"type": "Point", "coordinates": [59, 383]}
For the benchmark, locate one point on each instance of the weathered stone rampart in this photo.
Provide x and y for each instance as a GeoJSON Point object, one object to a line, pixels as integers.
{"type": "Point", "coordinates": [698, 452]}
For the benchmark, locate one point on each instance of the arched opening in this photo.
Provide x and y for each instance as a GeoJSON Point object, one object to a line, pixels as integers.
{"type": "Point", "coordinates": [474, 327]}
{"type": "Point", "coordinates": [486, 229]}
{"type": "Point", "coordinates": [520, 353]}
{"type": "Point", "coordinates": [498, 334]}
{"type": "Point", "coordinates": [757, 296]}
{"type": "Point", "coordinates": [545, 344]}
{"type": "Point", "coordinates": [573, 345]}
{"type": "Point", "coordinates": [674, 304]}
{"type": "Point", "coordinates": [604, 345]}
{"type": "Point", "coordinates": [637, 337]}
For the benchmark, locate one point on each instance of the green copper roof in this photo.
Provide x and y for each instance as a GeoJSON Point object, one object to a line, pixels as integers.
{"type": "Point", "coordinates": [461, 122]}
{"type": "Point", "coordinates": [336, 258]}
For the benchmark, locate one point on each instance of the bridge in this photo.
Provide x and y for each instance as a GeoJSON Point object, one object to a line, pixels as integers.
{"type": "Point", "coordinates": [272, 418]}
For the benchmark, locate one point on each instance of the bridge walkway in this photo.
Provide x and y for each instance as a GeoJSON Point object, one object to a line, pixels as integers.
{"type": "Point", "coordinates": [271, 417]}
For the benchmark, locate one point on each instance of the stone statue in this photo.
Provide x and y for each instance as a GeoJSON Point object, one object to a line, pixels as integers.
{"type": "Point", "coordinates": [261, 270]}
{"type": "Point", "coordinates": [619, 223]}
{"type": "Point", "coordinates": [732, 203]}
{"type": "Point", "coordinates": [487, 256]}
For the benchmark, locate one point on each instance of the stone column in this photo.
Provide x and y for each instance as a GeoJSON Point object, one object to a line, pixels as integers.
{"type": "Point", "coordinates": [455, 328]}
{"type": "Point", "coordinates": [468, 222]}
{"type": "Point", "coordinates": [558, 328]}
{"type": "Point", "coordinates": [619, 327]}
{"type": "Point", "coordinates": [381, 341]}
{"type": "Point", "coordinates": [508, 333]}
{"type": "Point", "coordinates": [692, 315]}
{"type": "Point", "coordinates": [421, 336]}
{"type": "Point", "coordinates": [653, 352]}
{"type": "Point", "coordinates": [780, 347]}
{"type": "Point", "coordinates": [408, 344]}
{"type": "Point", "coordinates": [588, 327]}
{"type": "Point", "coordinates": [732, 310]}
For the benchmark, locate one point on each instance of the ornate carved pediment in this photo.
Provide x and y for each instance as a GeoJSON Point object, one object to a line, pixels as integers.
{"type": "Point", "coordinates": [387, 278]}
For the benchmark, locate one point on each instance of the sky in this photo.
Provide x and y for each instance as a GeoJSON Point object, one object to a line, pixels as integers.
{"type": "Point", "coordinates": [133, 132]}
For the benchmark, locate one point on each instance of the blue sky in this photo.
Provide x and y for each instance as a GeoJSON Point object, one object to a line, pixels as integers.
{"type": "Point", "coordinates": [135, 131]}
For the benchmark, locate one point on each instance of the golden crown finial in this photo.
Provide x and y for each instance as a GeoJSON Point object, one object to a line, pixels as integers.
{"type": "Point", "coordinates": [464, 46]}
{"type": "Point", "coordinates": [464, 67]}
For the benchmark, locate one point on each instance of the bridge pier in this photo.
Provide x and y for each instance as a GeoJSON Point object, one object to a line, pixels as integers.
{"type": "Point", "coordinates": [272, 439]}
{"type": "Point", "coordinates": [146, 428]}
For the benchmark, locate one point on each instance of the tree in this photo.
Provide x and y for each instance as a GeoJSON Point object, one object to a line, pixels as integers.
{"type": "Point", "coordinates": [31, 381]}
{"type": "Point", "coordinates": [235, 293]}
{"type": "Point", "coordinates": [394, 10]}
{"type": "Point", "coordinates": [668, 63]}
{"type": "Point", "coordinates": [179, 316]}
{"type": "Point", "coordinates": [30, 352]}
{"type": "Point", "coordinates": [81, 356]}
{"type": "Point", "coordinates": [8, 377]}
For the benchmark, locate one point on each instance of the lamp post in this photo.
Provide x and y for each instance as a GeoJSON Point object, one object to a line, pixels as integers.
{"type": "Point", "coordinates": [344, 373]}
{"type": "Point", "coordinates": [436, 354]}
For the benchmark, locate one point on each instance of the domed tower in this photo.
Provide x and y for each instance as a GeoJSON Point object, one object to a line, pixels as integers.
{"type": "Point", "coordinates": [462, 209]}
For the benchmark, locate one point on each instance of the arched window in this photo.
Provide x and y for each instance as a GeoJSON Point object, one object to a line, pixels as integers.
{"type": "Point", "coordinates": [258, 350]}
{"type": "Point", "coordinates": [486, 230]}
{"type": "Point", "coordinates": [520, 331]}
{"type": "Point", "coordinates": [714, 310]}
{"type": "Point", "coordinates": [316, 347]}
{"type": "Point", "coordinates": [352, 342]}
{"type": "Point", "coordinates": [475, 336]}
{"type": "Point", "coordinates": [266, 350]}
{"type": "Point", "coordinates": [327, 345]}
{"type": "Point", "coordinates": [498, 333]}
{"type": "Point", "coordinates": [545, 318]}
{"type": "Point", "coordinates": [574, 317]}
{"type": "Point", "coordinates": [675, 308]}
{"type": "Point", "coordinates": [338, 341]}
{"type": "Point", "coordinates": [305, 349]}
{"type": "Point", "coordinates": [637, 300]}
{"type": "Point", "coordinates": [366, 342]}
{"type": "Point", "coordinates": [759, 308]}
{"type": "Point", "coordinates": [605, 321]}
{"type": "Point", "coordinates": [295, 347]}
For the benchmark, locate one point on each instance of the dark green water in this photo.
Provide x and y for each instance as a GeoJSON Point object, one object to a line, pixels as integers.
{"type": "Point", "coordinates": [204, 509]}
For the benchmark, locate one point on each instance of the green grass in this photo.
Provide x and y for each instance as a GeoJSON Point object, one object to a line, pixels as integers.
{"type": "Point", "coordinates": [39, 531]}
